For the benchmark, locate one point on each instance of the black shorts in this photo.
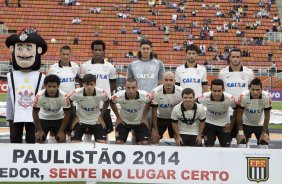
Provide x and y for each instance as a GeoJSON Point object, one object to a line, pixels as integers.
{"type": "Point", "coordinates": [72, 117]}
{"type": "Point", "coordinates": [189, 140]}
{"type": "Point", "coordinates": [108, 121]}
{"type": "Point", "coordinates": [212, 131]}
{"type": "Point", "coordinates": [141, 132]}
{"type": "Point", "coordinates": [50, 125]}
{"type": "Point", "coordinates": [249, 130]}
{"type": "Point", "coordinates": [80, 128]}
{"type": "Point", "coordinates": [164, 124]}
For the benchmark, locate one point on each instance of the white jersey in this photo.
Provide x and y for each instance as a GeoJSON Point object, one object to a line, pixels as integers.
{"type": "Point", "coordinates": [88, 109]}
{"type": "Point", "coordinates": [104, 72]}
{"type": "Point", "coordinates": [217, 111]}
{"type": "Point", "coordinates": [193, 129]}
{"type": "Point", "coordinates": [254, 108]}
{"type": "Point", "coordinates": [131, 110]}
{"type": "Point", "coordinates": [166, 102]}
{"type": "Point", "coordinates": [51, 108]}
{"type": "Point", "coordinates": [235, 82]}
{"type": "Point", "coordinates": [25, 84]}
{"type": "Point", "coordinates": [192, 78]}
{"type": "Point", "coordinates": [67, 75]}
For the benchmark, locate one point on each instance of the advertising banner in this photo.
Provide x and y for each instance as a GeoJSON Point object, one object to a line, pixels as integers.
{"type": "Point", "coordinates": [138, 164]}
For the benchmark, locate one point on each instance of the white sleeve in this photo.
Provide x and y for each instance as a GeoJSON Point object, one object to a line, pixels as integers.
{"type": "Point", "coordinates": [174, 114]}
{"type": "Point", "coordinates": [112, 74]}
{"type": "Point", "coordinates": [202, 114]}
{"type": "Point", "coordinates": [177, 77]}
{"type": "Point", "coordinates": [204, 79]}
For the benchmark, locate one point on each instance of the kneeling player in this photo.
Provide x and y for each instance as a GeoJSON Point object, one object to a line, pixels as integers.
{"type": "Point", "coordinates": [188, 120]}
{"type": "Point", "coordinates": [254, 115]}
{"type": "Point", "coordinates": [132, 116]}
{"type": "Point", "coordinates": [51, 110]}
{"type": "Point", "coordinates": [90, 117]}
{"type": "Point", "coordinates": [218, 124]}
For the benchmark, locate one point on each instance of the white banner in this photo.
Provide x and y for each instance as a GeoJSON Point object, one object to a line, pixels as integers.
{"type": "Point", "coordinates": [138, 164]}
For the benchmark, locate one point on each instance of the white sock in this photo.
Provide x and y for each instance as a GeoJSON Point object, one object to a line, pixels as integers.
{"type": "Point", "coordinates": [263, 146]}
{"type": "Point", "coordinates": [87, 138]}
{"type": "Point", "coordinates": [52, 139]}
{"type": "Point", "coordinates": [242, 146]}
{"type": "Point", "coordinates": [68, 139]}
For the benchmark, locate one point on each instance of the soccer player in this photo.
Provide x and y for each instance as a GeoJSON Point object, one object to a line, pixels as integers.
{"type": "Point", "coordinates": [68, 72]}
{"type": "Point", "coordinates": [164, 98]}
{"type": "Point", "coordinates": [88, 100]}
{"type": "Point", "coordinates": [147, 70]}
{"type": "Point", "coordinates": [132, 115]}
{"type": "Point", "coordinates": [217, 124]}
{"type": "Point", "coordinates": [51, 110]}
{"type": "Point", "coordinates": [192, 75]}
{"type": "Point", "coordinates": [236, 78]}
{"type": "Point", "coordinates": [253, 115]}
{"type": "Point", "coordinates": [188, 120]}
{"type": "Point", "coordinates": [105, 74]}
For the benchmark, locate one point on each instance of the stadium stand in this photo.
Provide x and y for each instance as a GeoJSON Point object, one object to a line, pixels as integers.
{"type": "Point", "coordinates": [53, 20]}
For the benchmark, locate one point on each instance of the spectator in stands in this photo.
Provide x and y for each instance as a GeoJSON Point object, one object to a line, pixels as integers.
{"type": "Point", "coordinates": [75, 40]}
{"type": "Point", "coordinates": [211, 34]}
{"type": "Point", "coordinates": [116, 7]}
{"type": "Point", "coordinates": [91, 10]}
{"type": "Point", "coordinates": [167, 30]}
{"type": "Point", "coordinates": [273, 68]}
{"type": "Point", "coordinates": [127, 8]}
{"type": "Point", "coordinates": [225, 27]}
{"type": "Point", "coordinates": [270, 55]}
{"type": "Point", "coordinates": [115, 42]}
{"type": "Point", "coordinates": [274, 28]}
{"type": "Point", "coordinates": [19, 3]}
{"type": "Point", "coordinates": [217, 6]}
{"type": "Point", "coordinates": [130, 54]}
{"type": "Point", "coordinates": [123, 30]}
{"type": "Point", "coordinates": [176, 47]}
{"type": "Point", "coordinates": [202, 49]}
{"type": "Point", "coordinates": [218, 28]}
{"type": "Point", "coordinates": [194, 13]}
{"type": "Point", "coordinates": [76, 21]}
{"type": "Point", "coordinates": [174, 18]}
{"type": "Point", "coordinates": [166, 39]}
{"type": "Point", "coordinates": [275, 18]}
{"type": "Point", "coordinates": [7, 2]}
{"type": "Point", "coordinates": [261, 3]}
{"type": "Point", "coordinates": [98, 10]}
{"type": "Point", "coordinates": [204, 6]}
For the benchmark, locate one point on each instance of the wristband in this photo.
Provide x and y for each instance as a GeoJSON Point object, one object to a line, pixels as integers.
{"type": "Point", "coordinates": [241, 132]}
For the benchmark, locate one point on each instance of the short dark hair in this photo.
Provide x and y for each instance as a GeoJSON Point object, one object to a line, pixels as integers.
{"type": "Point", "coordinates": [188, 91]}
{"type": "Point", "coordinates": [235, 50]}
{"type": "Point", "coordinates": [217, 82]}
{"type": "Point", "coordinates": [192, 47]}
{"type": "Point", "coordinates": [65, 47]}
{"type": "Point", "coordinates": [89, 78]}
{"type": "Point", "coordinates": [145, 42]}
{"type": "Point", "coordinates": [131, 80]}
{"type": "Point", "coordinates": [52, 78]}
{"type": "Point", "coordinates": [98, 42]}
{"type": "Point", "coordinates": [256, 81]}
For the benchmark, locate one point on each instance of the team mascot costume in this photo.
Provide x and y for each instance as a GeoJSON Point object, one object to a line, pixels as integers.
{"type": "Point", "coordinates": [24, 83]}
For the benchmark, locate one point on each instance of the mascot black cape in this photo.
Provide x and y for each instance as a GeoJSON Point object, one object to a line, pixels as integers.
{"type": "Point", "coordinates": [24, 82]}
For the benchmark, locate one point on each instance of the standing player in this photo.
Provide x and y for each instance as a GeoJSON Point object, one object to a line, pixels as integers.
{"type": "Point", "coordinates": [105, 74]}
{"type": "Point", "coordinates": [253, 115]}
{"type": "Point", "coordinates": [88, 100]}
{"type": "Point", "coordinates": [164, 98]}
{"type": "Point", "coordinates": [236, 78]}
{"type": "Point", "coordinates": [68, 72]}
{"type": "Point", "coordinates": [192, 75]}
{"type": "Point", "coordinates": [147, 70]}
{"type": "Point", "coordinates": [218, 123]}
{"type": "Point", "coordinates": [51, 110]}
{"type": "Point", "coordinates": [188, 120]}
{"type": "Point", "coordinates": [132, 115]}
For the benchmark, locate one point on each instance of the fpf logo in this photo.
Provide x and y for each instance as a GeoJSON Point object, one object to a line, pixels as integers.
{"type": "Point", "coordinates": [258, 169]}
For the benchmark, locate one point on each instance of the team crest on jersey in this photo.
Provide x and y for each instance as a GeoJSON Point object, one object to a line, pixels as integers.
{"type": "Point", "coordinates": [105, 68]}
{"type": "Point", "coordinates": [73, 70]}
{"type": "Point", "coordinates": [25, 100]}
{"type": "Point", "coordinates": [258, 169]}
{"type": "Point", "coordinates": [243, 76]}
